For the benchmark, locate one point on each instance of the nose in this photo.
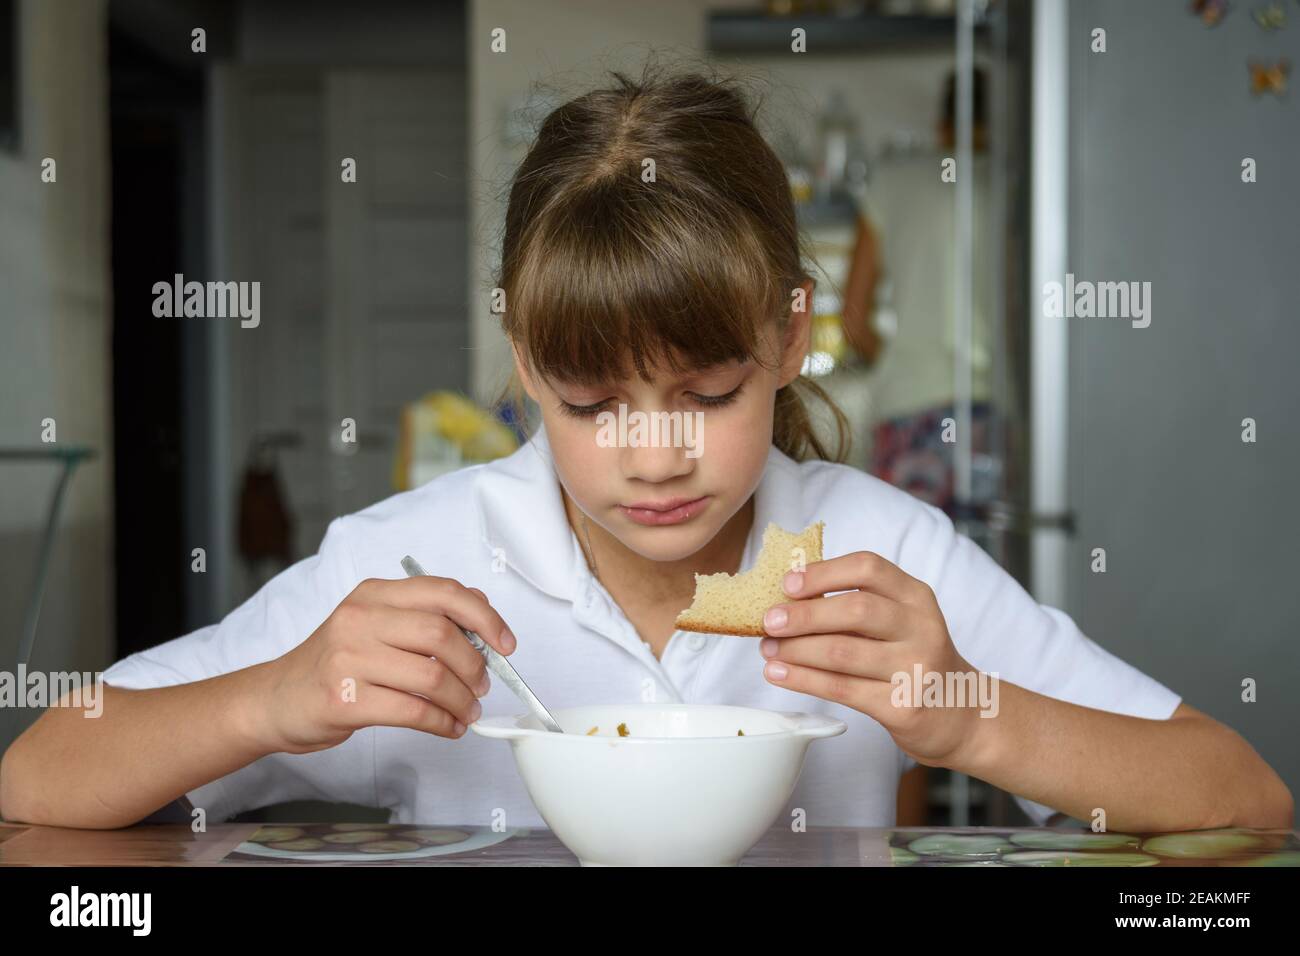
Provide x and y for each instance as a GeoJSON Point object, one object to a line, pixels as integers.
{"type": "Point", "coordinates": [655, 464]}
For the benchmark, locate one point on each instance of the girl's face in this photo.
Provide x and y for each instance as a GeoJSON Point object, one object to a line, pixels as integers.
{"type": "Point", "coordinates": [665, 473]}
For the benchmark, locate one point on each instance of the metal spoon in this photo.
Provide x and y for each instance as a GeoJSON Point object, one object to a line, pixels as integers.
{"type": "Point", "coordinates": [497, 664]}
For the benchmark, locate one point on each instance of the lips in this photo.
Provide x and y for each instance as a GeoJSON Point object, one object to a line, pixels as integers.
{"type": "Point", "coordinates": [666, 512]}
{"type": "Point", "coordinates": [668, 504]}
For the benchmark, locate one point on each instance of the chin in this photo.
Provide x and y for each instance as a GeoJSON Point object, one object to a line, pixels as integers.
{"type": "Point", "coordinates": [657, 546]}
{"type": "Point", "coordinates": [670, 543]}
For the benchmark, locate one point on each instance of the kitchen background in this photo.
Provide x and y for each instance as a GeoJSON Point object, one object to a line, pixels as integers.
{"type": "Point", "coordinates": [1115, 165]}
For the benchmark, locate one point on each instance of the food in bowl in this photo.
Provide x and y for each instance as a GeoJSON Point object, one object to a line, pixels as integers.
{"type": "Point", "coordinates": [624, 732]}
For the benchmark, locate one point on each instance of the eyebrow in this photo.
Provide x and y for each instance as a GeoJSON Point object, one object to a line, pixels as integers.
{"type": "Point", "coordinates": [713, 368]}
{"type": "Point", "coordinates": [725, 365]}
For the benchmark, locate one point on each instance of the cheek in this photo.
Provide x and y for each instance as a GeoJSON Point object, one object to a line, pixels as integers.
{"type": "Point", "coordinates": [577, 456]}
{"type": "Point", "coordinates": [739, 442]}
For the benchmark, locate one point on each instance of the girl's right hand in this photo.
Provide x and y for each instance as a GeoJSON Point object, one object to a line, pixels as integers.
{"type": "Point", "coordinates": [370, 664]}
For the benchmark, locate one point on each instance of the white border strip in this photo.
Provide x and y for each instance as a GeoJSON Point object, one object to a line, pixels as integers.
{"type": "Point", "coordinates": [1049, 343]}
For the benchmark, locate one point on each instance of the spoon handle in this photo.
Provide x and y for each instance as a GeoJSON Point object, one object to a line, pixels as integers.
{"type": "Point", "coordinates": [496, 663]}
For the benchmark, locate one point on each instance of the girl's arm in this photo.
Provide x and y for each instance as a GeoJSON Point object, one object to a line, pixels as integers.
{"type": "Point", "coordinates": [146, 749]}
{"type": "Point", "coordinates": [868, 644]}
{"type": "Point", "coordinates": [391, 654]}
{"type": "Point", "coordinates": [1186, 773]}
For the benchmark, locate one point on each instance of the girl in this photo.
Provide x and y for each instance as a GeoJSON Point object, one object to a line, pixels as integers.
{"type": "Point", "coordinates": [671, 292]}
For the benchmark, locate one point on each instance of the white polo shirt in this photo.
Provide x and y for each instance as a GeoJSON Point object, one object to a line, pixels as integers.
{"type": "Point", "coordinates": [501, 527]}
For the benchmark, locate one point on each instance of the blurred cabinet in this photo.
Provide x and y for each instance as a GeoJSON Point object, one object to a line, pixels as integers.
{"type": "Point", "coordinates": [363, 284]}
{"type": "Point", "coordinates": [396, 305]}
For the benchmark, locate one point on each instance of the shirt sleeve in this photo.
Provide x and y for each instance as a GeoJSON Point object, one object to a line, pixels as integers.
{"type": "Point", "coordinates": [282, 614]}
{"type": "Point", "coordinates": [1000, 628]}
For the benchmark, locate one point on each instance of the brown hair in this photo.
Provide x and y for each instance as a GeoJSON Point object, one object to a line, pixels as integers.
{"type": "Point", "coordinates": [599, 266]}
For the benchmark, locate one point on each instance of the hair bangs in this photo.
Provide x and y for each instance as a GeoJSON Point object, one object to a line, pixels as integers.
{"type": "Point", "coordinates": [620, 286]}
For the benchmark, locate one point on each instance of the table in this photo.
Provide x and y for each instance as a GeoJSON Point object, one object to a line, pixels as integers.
{"type": "Point", "coordinates": [177, 845]}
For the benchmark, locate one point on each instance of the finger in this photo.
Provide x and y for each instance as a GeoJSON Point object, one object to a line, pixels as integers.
{"type": "Point", "coordinates": [852, 612]}
{"type": "Point", "coordinates": [429, 634]}
{"type": "Point", "coordinates": [849, 654]}
{"type": "Point", "coordinates": [871, 697]}
{"type": "Point", "coordinates": [384, 707]}
{"type": "Point", "coordinates": [861, 569]}
{"type": "Point", "coordinates": [399, 670]}
{"type": "Point", "coordinates": [445, 596]}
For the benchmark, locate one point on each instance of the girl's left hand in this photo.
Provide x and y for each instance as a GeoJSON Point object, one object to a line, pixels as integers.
{"type": "Point", "coordinates": [846, 648]}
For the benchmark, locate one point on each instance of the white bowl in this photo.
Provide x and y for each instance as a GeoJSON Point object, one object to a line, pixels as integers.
{"type": "Point", "coordinates": [682, 790]}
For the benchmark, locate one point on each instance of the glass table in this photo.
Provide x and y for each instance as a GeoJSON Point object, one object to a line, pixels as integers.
{"type": "Point", "coordinates": [369, 844]}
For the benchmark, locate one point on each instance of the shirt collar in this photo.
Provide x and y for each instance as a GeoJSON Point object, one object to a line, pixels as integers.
{"type": "Point", "coordinates": [521, 512]}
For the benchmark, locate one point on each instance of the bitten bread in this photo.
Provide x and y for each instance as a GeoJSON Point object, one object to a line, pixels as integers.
{"type": "Point", "coordinates": [735, 603]}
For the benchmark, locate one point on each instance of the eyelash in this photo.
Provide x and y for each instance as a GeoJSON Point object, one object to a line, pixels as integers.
{"type": "Point", "coordinates": [709, 401]}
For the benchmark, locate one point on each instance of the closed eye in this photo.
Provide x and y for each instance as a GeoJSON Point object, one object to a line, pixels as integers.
{"type": "Point", "coordinates": [583, 411]}
{"type": "Point", "coordinates": [717, 401]}
{"type": "Point", "coordinates": [709, 401]}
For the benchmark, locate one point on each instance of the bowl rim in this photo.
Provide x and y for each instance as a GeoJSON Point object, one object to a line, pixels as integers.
{"type": "Point", "coordinates": [803, 725]}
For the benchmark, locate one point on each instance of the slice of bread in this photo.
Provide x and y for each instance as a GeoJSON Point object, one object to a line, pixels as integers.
{"type": "Point", "coordinates": [735, 603]}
